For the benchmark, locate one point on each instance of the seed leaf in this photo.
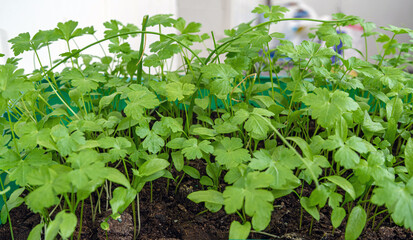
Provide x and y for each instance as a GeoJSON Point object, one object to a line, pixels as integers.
{"type": "Point", "coordinates": [67, 224]}
{"type": "Point", "coordinates": [210, 196]}
{"type": "Point", "coordinates": [344, 184]}
{"type": "Point", "coordinates": [152, 166]}
{"type": "Point", "coordinates": [193, 172]}
{"type": "Point", "coordinates": [355, 223]}
{"type": "Point", "coordinates": [107, 100]}
{"type": "Point", "coordinates": [114, 175]}
{"type": "Point", "coordinates": [176, 143]}
{"type": "Point", "coordinates": [14, 201]}
{"type": "Point", "coordinates": [408, 156]}
{"type": "Point", "coordinates": [35, 233]}
{"type": "Point", "coordinates": [239, 231]}
{"type": "Point", "coordinates": [311, 209]}
{"type": "Point", "coordinates": [178, 160]}
{"type": "Point", "coordinates": [337, 216]}
{"type": "Point", "coordinates": [121, 199]}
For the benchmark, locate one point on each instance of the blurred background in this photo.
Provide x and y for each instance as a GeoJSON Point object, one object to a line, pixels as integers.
{"type": "Point", "coordinates": [215, 15]}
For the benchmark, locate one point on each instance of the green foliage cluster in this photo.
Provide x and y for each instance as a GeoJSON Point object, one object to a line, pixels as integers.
{"type": "Point", "coordinates": [103, 127]}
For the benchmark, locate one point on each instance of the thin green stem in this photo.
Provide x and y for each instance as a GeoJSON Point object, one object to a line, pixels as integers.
{"type": "Point", "coordinates": [141, 49]}
{"type": "Point", "coordinates": [267, 234]}
{"type": "Point", "coordinates": [54, 89]}
{"type": "Point", "coordinates": [385, 51]}
{"type": "Point", "coordinates": [365, 45]}
{"type": "Point", "coordinates": [71, 59]}
{"type": "Point", "coordinates": [292, 148]}
{"type": "Point", "coordinates": [124, 34]}
{"type": "Point", "coordinates": [134, 220]}
{"type": "Point", "coordinates": [68, 202]}
{"type": "Point", "coordinates": [226, 44]}
{"type": "Point", "coordinates": [179, 182]}
{"type": "Point", "coordinates": [7, 209]}
{"type": "Point", "coordinates": [151, 192]}
{"type": "Point", "coordinates": [139, 214]}
{"type": "Point", "coordinates": [12, 132]}
{"type": "Point", "coordinates": [81, 220]}
{"type": "Point", "coordinates": [381, 222]}
{"type": "Point", "coordinates": [311, 226]}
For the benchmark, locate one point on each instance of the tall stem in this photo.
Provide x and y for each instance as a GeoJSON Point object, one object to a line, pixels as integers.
{"type": "Point", "coordinates": [305, 161]}
{"type": "Point", "coordinates": [53, 88]}
{"type": "Point", "coordinates": [7, 209]}
{"type": "Point", "coordinates": [141, 49]}
{"type": "Point", "coordinates": [81, 220]}
{"type": "Point", "coordinates": [385, 50]}
{"type": "Point", "coordinates": [124, 34]}
{"type": "Point", "coordinates": [226, 44]}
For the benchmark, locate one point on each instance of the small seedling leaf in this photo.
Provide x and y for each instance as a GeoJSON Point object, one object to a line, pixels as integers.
{"type": "Point", "coordinates": [152, 166]}
{"type": "Point", "coordinates": [35, 233]}
{"type": "Point", "coordinates": [344, 184]}
{"type": "Point", "coordinates": [239, 231]}
{"type": "Point", "coordinates": [355, 223]}
{"type": "Point", "coordinates": [210, 196]}
{"type": "Point", "coordinates": [178, 160]}
{"type": "Point", "coordinates": [408, 156]}
{"type": "Point", "coordinates": [312, 210]}
{"type": "Point", "coordinates": [193, 172]}
{"type": "Point", "coordinates": [337, 216]}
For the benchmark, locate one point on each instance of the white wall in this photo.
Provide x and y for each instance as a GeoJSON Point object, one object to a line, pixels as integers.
{"type": "Point", "coordinates": [19, 16]}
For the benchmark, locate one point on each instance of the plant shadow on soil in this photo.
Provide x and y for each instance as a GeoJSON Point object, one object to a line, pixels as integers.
{"type": "Point", "coordinates": [172, 216]}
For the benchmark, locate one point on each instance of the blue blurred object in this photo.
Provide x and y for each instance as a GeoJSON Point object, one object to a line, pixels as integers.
{"type": "Point", "coordinates": [338, 49]}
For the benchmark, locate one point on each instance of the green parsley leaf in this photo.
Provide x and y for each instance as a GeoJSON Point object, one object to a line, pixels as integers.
{"type": "Point", "coordinates": [275, 13]}
{"type": "Point", "coordinates": [193, 150]}
{"type": "Point", "coordinates": [283, 178]}
{"type": "Point", "coordinates": [230, 153]}
{"type": "Point", "coordinates": [222, 77]}
{"type": "Point", "coordinates": [256, 126]}
{"type": "Point", "coordinates": [398, 198]}
{"type": "Point", "coordinates": [140, 98]}
{"type": "Point", "coordinates": [257, 201]}
{"type": "Point", "coordinates": [178, 90]}
{"type": "Point", "coordinates": [327, 107]}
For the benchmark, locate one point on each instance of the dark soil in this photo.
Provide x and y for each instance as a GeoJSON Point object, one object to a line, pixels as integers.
{"type": "Point", "coordinates": [171, 216]}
